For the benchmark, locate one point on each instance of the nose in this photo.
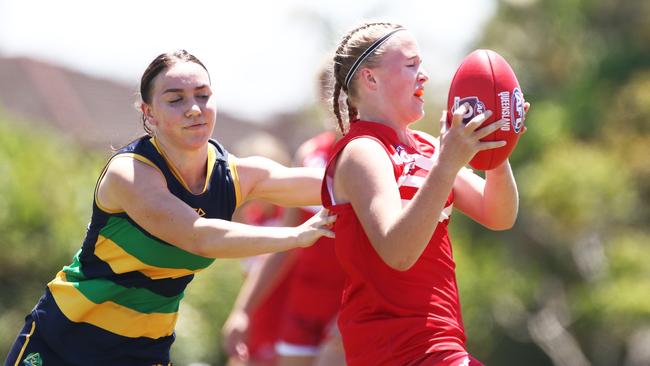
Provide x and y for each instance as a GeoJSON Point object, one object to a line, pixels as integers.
{"type": "Point", "coordinates": [423, 76]}
{"type": "Point", "coordinates": [194, 110]}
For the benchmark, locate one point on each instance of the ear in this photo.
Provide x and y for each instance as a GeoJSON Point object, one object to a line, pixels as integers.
{"type": "Point", "coordinates": [146, 111]}
{"type": "Point", "coordinates": [367, 78]}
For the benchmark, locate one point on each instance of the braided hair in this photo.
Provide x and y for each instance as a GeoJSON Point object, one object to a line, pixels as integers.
{"type": "Point", "coordinates": [352, 46]}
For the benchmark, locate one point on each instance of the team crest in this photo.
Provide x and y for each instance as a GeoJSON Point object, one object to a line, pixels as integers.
{"type": "Point", "coordinates": [33, 359]}
{"type": "Point", "coordinates": [476, 107]}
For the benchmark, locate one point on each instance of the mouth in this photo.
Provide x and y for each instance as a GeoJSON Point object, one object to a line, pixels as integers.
{"type": "Point", "coordinates": [195, 126]}
{"type": "Point", "coordinates": [419, 92]}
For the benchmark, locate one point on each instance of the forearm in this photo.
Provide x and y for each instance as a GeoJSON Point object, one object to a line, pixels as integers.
{"type": "Point", "coordinates": [501, 199]}
{"type": "Point", "coordinates": [295, 187]}
{"type": "Point", "coordinates": [407, 236]}
{"type": "Point", "coordinates": [215, 238]}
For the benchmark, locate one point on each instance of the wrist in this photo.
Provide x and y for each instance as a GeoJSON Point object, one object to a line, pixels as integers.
{"type": "Point", "coordinates": [501, 169]}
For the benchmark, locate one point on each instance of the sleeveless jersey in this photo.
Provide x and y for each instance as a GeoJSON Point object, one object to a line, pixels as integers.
{"type": "Point", "coordinates": [119, 298]}
{"type": "Point", "coordinates": [391, 317]}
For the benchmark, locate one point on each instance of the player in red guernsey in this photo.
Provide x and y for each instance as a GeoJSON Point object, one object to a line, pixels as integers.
{"type": "Point", "coordinates": [393, 190]}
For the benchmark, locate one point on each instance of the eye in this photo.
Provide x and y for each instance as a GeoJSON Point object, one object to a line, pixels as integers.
{"type": "Point", "coordinates": [175, 100]}
{"type": "Point", "coordinates": [204, 96]}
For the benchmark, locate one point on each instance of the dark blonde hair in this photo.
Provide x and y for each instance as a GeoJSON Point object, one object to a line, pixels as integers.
{"type": "Point", "coordinates": [161, 63]}
{"type": "Point", "coordinates": [352, 46]}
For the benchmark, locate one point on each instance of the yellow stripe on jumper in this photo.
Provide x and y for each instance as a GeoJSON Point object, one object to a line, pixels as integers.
{"type": "Point", "coordinates": [109, 315]}
{"type": "Point", "coordinates": [122, 262]}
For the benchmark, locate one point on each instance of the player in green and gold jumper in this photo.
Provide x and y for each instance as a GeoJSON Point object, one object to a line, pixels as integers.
{"type": "Point", "coordinates": [161, 213]}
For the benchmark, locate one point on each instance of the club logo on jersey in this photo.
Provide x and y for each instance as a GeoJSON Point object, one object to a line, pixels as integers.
{"type": "Point", "coordinates": [405, 159]}
{"type": "Point", "coordinates": [517, 110]}
{"type": "Point", "coordinates": [33, 359]}
{"type": "Point", "coordinates": [476, 107]}
{"type": "Point", "coordinates": [200, 211]}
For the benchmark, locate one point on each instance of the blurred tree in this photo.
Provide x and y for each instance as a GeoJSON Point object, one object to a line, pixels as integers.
{"type": "Point", "coordinates": [46, 190]}
{"type": "Point", "coordinates": [570, 283]}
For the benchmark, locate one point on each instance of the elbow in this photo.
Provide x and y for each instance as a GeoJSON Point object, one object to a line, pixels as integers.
{"type": "Point", "coordinates": [200, 250]}
{"type": "Point", "coordinates": [198, 244]}
{"type": "Point", "coordinates": [503, 224]}
{"type": "Point", "coordinates": [400, 253]}
{"type": "Point", "coordinates": [194, 246]}
{"type": "Point", "coordinates": [401, 264]}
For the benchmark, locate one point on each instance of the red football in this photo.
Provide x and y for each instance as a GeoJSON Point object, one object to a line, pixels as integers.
{"type": "Point", "coordinates": [486, 81]}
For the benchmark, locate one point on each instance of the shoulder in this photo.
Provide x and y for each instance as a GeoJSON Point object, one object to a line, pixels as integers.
{"type": "Point", "coordinates": [127, 175]}
{"type": "Point", "coordinates": [364, 153]}
{"type": "Point", "coordinates": [133, 169]}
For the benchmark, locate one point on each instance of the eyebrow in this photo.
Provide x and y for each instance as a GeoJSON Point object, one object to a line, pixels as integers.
{"type": "Point", "coordinates": [179, 90]}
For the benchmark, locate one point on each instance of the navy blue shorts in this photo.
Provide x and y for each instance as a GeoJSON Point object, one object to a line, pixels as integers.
{"type": "Point", "coordinates": [30, 350]}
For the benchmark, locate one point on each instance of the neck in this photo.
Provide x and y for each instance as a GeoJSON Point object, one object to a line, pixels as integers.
{"type": "Point", "coordinates": [378, 117]}
{"type": "Point", "coordinates": [190, 164]}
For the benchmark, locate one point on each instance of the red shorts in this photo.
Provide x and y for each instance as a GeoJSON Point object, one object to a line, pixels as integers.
{"type": "Point", "coordinates": [314, 297]}
{"type": "Point", "coordinates": [265, 325]}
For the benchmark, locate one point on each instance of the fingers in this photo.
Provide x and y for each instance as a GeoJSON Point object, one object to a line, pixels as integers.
{"type": "Point", "coordinates": [327, 233]}
{"type": "Point", "coordinates": [242, 351]}
{"type": "Point", "coordinates": [523, 130]}
{"type": "Point", "coordinates": [487, 130]}
{"type": "Point", "coordinates": [477, 121]}
{"type": "Point", "coordinates": [487, 145]}
{"type": "Point", "coordinates": [459, 113]}
{"type": "Point", "coordinates": [329, 220]}
{"type": "Point", "coordinates": [443, 122]}
{"type": "Point", "coordinates": [323, 218]}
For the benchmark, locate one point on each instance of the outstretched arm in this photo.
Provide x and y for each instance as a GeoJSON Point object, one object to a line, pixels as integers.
{"type": "Point", "coordinates": [141, 191]}
{"type": "Point", "coordinates": [262, 178]}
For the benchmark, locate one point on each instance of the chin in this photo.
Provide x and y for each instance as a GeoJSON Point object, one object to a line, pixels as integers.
{"type": "Point", "coordinates": [415, 117]}
{"type": "Point", "coordinates": [197, 142]}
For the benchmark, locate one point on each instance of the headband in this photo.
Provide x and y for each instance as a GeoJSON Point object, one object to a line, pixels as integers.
{"type": "Point", "coordinates": [367, 53]}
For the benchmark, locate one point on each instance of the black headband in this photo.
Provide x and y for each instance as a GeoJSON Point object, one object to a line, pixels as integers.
{"type": "Point", "coordinates": [367, 53]}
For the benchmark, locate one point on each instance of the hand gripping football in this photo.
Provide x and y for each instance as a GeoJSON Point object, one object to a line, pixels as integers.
{"type": "Point", "coordinates": [485, 81]}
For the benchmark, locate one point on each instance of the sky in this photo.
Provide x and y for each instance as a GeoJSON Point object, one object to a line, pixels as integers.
{"type": "Point", "coordinates": [263, 55]}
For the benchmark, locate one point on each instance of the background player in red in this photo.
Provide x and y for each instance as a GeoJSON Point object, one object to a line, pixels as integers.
{"type": "Point", "coordinates": [308, 333]}
{"type": "Point", "coordinates": [307, 283]}
{"type": "Point", "coordinates": [261, 328]}
{"type": "Point", "coordinates": [393, 190]}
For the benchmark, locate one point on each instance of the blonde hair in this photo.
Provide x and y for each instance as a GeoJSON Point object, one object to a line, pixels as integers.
{"type": "Point", "coordinates": [352, 46]}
